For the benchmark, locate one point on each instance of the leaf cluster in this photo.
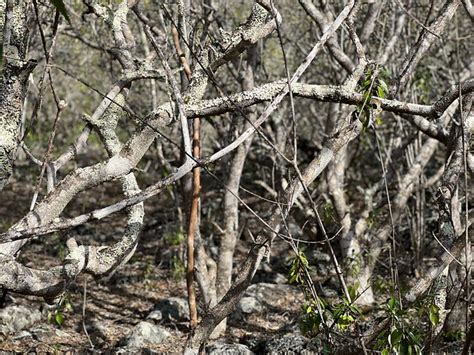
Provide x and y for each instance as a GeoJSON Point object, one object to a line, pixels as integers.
{"type": "Point", "coordinates": [402, 337]}
{"type": "Point", "coordinates": [373, 85]}
{"type": "Point", "coordinates": [297, 268]}
{"type": "Point", "coordinates": [56, 316]}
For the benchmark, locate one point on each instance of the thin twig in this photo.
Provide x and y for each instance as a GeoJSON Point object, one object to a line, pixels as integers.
{"type": "Point", "coordinates": [84, 314]}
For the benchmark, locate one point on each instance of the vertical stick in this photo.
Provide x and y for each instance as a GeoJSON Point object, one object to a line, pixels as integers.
{"type": "Point", "coordinates": [193, 224]}
{"type": "Point", "coordinates": [196, 191]}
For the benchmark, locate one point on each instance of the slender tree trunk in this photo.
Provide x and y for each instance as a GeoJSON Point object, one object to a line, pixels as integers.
{"type": "Point", "coordinates": [230, 232]}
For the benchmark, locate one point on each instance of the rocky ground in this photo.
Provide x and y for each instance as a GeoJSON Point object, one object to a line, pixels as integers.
{"type": "Point", "coordinates": [144, 307]}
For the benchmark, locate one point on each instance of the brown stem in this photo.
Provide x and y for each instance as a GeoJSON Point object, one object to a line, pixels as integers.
{"type": "Point", "coordinates": [196, 191]}
{"type": "Point", "coordinates": [193, 224]}
{"type": "Point", "coordinates": [179, 52]}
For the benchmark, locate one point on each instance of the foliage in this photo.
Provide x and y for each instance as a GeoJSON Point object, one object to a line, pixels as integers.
{"type": "Point", "coordinates": [311, 319]}
{"type": "Point", "coordinates": [177, 267]}
{"type": "Point", "coordinates": [174, 238]}
{"type": "Point", "coordinates": [402, 337]}
{"type": "Point", "coordinates": [423, 83]}
{"type": "Point", "coordinates": [454, 336]}
{"type": "Point", "coordinates": [328, 213]}
{"type": "Point", "coordinates": [64, 305]}
{"type": "Point", "coordinates": [372, 86]}
{"type": "Point", "coordinates": [59, 5]}
{"type": "Point", "coordinates": [343, 313]}
{"type": "Point", "coordinates": [381, 285]}
{"type": "Point", "coordinates": [297, 268]}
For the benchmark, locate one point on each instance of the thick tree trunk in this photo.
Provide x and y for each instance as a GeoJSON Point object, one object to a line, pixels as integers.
{"type": "Point", "coordinates": [13, 81]}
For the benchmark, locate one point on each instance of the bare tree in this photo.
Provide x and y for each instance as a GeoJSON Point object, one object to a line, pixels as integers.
{"type": "Point", "coordinates": [379, 90]}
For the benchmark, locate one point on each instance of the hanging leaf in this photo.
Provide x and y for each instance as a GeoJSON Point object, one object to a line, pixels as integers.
{"type": "Point", "coordinates": [391, 303]}
{"type": "Point", "coordinates": [380, 92]}
{"type": "Point", "coordinates": [434, 315]}
{"type": "Point", "coordinates": [383, 86]}
{"type": "Point", "coordinates": [59, 5]}
{"type": "Point", "coordinates": [58, 318]}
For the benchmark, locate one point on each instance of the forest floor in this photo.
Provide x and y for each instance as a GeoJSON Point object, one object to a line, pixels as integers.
{"type": "Point", "coordinates": [109, 310]}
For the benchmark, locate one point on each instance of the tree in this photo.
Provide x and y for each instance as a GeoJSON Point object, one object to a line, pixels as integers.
{"type": "Point", "coordinates": [392, 81]}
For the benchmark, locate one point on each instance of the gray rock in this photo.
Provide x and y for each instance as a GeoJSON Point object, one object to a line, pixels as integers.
{"type": "Point", "coordinates": [173, 309]}
{"type": "Point", "coordinates": [249, 305]}
{"type": "Point", "coordinates": [329, 292]}
{"type": "Point", "coordinates": [270, 277]}
{"type": "Point", "coordinates": [16, 318]}
{"type": "Point", "coordinates": [289, 344]}
{"type": "Point", "coordinates": [228, 349]}
{"type": "Point", "coordinates": [264, 296]}
{"type": "Point", "coordinates": [279, 279]}
{"type": "Point", "coordinates": [315, 256]}
{"type": "Point", "coordinates": [155, 316]}
{"type": "Point", "coordinates": [41, 331]}
{"type": "Point", "coordinates": [269, 293]}
{"type": "Point", "coordinates": [23, 334]}
{"type": "Point", "coordinates": [143, 334]}
{"type": "Point", "coordinates": [265, 267]}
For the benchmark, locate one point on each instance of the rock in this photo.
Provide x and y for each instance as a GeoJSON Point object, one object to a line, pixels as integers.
{"type": "Point", "coordinates": [173, 309]}
{"type": "Point", "coordinates": [263, 296]}
{"type": "Point", "coordinates": [265, 267]}
{"type": "Point", "coordinates": [16, 318]}
{"type": "Point", "coordinates": [254, 342]}
{"type": "Point", "coordinates": [249, 305]}
{"type": "Point", "coordinates": [278, 279]}
{"type": "Point", "coordinates": [23, 334]}
{"type": "Point", "coordinates": [329, 293]}
{"type": "Point", "coordinates": [61, 333]}
{"type": "Point", "coordinates": [143, 334]}
{"type": "Point", "coordinates": [228, 349]}
{"type": "Point", "coordinates": [272, 294]}
{"type": "Point", "coordinates": [270, 277]}
{"type": "Point", "coordinates": [155, 316]}
{"type": "Point", "coordinates": [41, 331]}
{"type": "Point", "coordinates": [315, 256]}
{"type": "Point", "coordinates": [289, 344]}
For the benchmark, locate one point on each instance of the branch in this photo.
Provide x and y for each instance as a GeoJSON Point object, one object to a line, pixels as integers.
{"type": "Point", "coordinates": [424, 43]}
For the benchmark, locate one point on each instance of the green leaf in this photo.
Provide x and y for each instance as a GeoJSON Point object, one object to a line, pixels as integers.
{"type": "Point", "coordinates": [404, 345]}
{"type": "Point", "coordinates": [385, 352]}
{"type": "Point", "coordinates": [434, 315]}
{"type": "Point", "coordinates": [392, 303]}
{"type": "Point", "coordinates": [355, 309]}
{"type": "Point", "coordinates": [59, 5]}
{"type": "Point", "coordinates": [58, 318]}
{"type": "Point", "coordinates": [413, 337]}
{"type": "Point", "coordinates": [383, 85]}
{"type": "Point", "coordinates": [353, 290]}
{"type": "Point", "coordinates": [380, 92]}
{"type": "Point", "coordinates": [394, 337]}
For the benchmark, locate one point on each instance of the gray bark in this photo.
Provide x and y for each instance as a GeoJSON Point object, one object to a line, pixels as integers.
{"type": "Point", "coordinates": [13, 81]}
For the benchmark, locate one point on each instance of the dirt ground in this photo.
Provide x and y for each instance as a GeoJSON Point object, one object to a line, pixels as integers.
{"type": "Point", "coordinates": [112, 308]}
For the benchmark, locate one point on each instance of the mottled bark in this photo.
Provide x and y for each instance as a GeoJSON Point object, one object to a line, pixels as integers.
{"type": "Point", "coordinates": [13, 81]}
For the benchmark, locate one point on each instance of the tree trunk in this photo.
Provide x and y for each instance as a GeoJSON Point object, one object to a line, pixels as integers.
{"type": "Point", "coordinates": [13, 81]}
